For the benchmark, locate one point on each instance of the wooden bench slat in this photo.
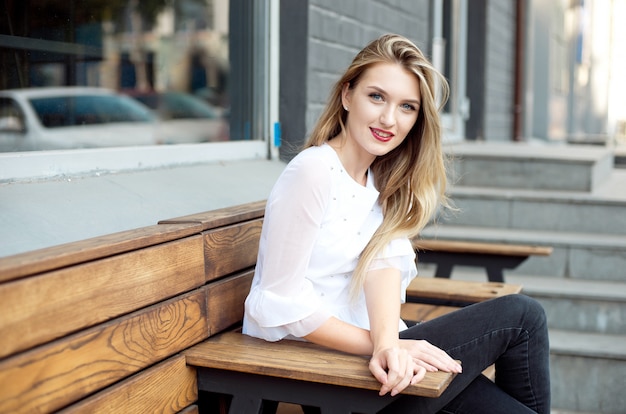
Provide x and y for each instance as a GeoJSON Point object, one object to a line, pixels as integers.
{"type": "Point", "coordinates": [458, 290]}
{"type": "Point", "coordinates": [225, 301]}
{"type": "Point", "coordinates": [39, 309]}
{"type": "Point", "coordinates": [421, 312]}
{"type": "Point", "coordinates": [298, 360]}
{"type": "Point", "coordinates": [223, 216]}
{"type": "Point", "coordinates": [481, 247]}
{"type": "Point", "coordinates": [230, 249]}
{"type": "Point", "coordinates": [54, 375]}
{"type": "Point", "coordinates": [69, 254]}
{"type": "Point", "coordinates": [168, 387]}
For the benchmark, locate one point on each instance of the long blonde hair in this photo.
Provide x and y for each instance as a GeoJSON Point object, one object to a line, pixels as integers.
{"type": "Point", "coordinates": [411, 179]}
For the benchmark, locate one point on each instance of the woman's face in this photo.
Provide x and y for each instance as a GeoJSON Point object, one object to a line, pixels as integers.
{"type": "Point", "coordinates": [382, 108]}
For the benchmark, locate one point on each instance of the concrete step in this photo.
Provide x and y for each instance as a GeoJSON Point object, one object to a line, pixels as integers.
{"type": "Point", "coordinates": [597, 212]}
{"type": "Point", "coordinates": [588, 372]}
{"type": "Point", "coordinates": [574, 305]}
{"type": "Point", "coordinates": [530, 166]}
{"type": "Point", "coordinates": [582, 306]}
{"type": "Point", "coordinates": [579, 256]}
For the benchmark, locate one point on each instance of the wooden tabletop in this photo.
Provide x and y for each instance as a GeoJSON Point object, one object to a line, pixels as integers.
{"type": "Point", "coordinates": [459, 290]}
{"type": "Point", "coordinates": [481, 247]}
{"type": "Point", "coordinates": [298, 360]}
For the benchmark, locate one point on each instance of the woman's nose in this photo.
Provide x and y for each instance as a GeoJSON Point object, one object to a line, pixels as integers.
{"type": "Point", "coordinates": [388, 116]}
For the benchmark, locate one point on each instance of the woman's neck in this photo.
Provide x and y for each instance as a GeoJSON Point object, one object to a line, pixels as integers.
{"type": "Point", "coordinates": [355, 162]}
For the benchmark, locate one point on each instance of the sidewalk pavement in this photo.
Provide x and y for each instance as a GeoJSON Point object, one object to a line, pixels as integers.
{"type": "Point", "coordinates": [47, 213]}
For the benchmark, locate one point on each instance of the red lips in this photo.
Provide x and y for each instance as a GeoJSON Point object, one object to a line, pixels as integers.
{"type": "Point", "coordinates": [381, 135]}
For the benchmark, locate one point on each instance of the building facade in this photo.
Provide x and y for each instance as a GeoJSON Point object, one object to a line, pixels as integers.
{"type": "Point", "coordinates": [518, 69]}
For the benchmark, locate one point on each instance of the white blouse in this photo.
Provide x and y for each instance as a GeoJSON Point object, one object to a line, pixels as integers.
{"type": "Point", "coordinates": [317, 222]}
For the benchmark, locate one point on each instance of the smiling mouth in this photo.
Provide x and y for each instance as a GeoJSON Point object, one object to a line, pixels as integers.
{"type": "Point", "coordinates": [381, 135]}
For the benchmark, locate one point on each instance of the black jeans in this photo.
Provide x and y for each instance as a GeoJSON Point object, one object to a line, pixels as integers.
{"type": "Point", "coordinates": [510, 331]}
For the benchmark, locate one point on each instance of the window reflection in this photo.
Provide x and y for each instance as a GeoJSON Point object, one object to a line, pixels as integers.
{"type": "Point", "coordinates": [171, 57]}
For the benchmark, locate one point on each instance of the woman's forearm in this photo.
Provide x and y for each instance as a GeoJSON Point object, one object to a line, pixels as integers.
{"type": "Point", "coordinates": [382, 293]}
{"type": "Point", "coordinates": [342, 336]}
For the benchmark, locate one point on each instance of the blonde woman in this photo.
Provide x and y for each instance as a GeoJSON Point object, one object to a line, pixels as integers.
{"type": "Point", "coordinates": [335, 258]}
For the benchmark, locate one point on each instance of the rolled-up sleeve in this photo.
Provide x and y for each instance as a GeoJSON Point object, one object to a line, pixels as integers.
{"type": "Point", "coordinates": [282, 301]}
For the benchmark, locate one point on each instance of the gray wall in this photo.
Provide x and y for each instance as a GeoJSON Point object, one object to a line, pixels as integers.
{"type": "Point", "coordinates": [335, 32]}
{"type": "Point", "coordinates": [499, 70]}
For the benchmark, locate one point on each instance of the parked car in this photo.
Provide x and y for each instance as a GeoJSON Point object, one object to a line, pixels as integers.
{"type": "Point", "coordinates": [72, 117]}
{"type": "Point", "coordinates": [184, 118]}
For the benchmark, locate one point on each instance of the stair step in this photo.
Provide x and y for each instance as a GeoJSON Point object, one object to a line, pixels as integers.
{"type": "Point", "coordinates": [598, 212]}
{"type": "Point", "coordinates": [590, 345]}
{"type": "Point", "coordinates": [587, 372]}
{"type": "Point", "coordinates": [523, 236]}
{"type": "Point", "coordinates": [582, 256]}
{"type": "Point", "coordinates": [524, 165]}
{"type": "Point", "coordinates": [585, 306]}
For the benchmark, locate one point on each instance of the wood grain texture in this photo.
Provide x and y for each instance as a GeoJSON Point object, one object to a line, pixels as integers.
{"type": "Point", "coordinates": [480, 247]}
{"type": "Point", "coordinates": [300, 361]}
{"type": "Point", "coordinates": [56, 257]}
{"type": "Point", "coordinates": [225, 301]}
{"type": "Point", "coordinates": [459, 290]}
{"type": "Point", "coordinates": [167, 388]}
{"type": "Point", "coordinates": [45, 307]}
{"type": "Point", "coordinates": [230, 249]}
{"type": "Point", "coordinates": [421, 312]}
{"type": "Point", "coordinates": [57, 374]}
{"type": "Point", "coordinates": [222, 217]}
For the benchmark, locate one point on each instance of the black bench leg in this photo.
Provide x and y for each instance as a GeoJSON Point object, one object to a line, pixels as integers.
{"type": "Point", "coordinates": [253, 393]}
{"type": "Point", "coordinates": [444, 270]}
{"type": "Point", "coordinates": [246, 404]}
{"type": "Point", "coordinates": [494, 274]}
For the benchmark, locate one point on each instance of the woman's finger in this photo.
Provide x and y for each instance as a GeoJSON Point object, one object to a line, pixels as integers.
{"type": "Point", "coordinates": [432, 358]}
{"type": "Point", "coordinates": [420, 373]}
{"type": "Point", "coordinates": [378, 370]}
{"type": "Point", "coordinates": [405, 374]}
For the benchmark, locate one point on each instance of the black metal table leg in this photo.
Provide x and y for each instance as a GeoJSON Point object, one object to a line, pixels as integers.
{"type": "Point", "coordinates": [249, 391]}
{"type": "Point", "coordinates": [494, 264]}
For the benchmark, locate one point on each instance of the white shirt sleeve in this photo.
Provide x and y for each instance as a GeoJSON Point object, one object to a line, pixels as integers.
{"type": "Point", "coordinates": [398, 254]}
{"type": "Point", "coordinates": [283, 299]}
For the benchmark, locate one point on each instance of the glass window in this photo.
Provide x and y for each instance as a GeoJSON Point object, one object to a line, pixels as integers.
{"type": "Point", "coordinates": [63, 111]}
{"type": "Point", "coordinates": [196, 66]}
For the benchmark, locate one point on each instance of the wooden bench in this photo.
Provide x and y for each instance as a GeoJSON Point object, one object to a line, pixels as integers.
{"type": "Point", "coordinates": [145, 320]}
{"type": "Point", "coordinates": [493, 257]}
{"type": "Point", "coordinates": [99, 325]}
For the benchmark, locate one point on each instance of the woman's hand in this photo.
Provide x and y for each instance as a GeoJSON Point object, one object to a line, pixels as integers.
{"type": "Point", "coordinates": [429, 357]}
{"type": "Point", "coordinates": [395, 369]}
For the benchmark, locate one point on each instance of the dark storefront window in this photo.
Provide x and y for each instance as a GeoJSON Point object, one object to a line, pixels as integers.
{"type": "Point", "coordinates": [172, 57]}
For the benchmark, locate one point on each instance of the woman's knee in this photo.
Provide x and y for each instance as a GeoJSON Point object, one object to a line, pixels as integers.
{"type": "Point", "coordinates": [525, 307]}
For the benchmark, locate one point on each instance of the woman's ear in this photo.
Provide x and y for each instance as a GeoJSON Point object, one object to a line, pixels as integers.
{"type": "Point", "coordinates": [346, 95]}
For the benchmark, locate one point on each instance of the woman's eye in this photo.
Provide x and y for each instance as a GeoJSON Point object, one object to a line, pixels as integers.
{"type": "Point", "coordinates": [376, 96]}
{"type": "Point", "coordinates": [408, 107]}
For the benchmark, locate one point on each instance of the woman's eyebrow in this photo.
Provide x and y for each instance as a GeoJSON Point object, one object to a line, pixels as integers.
{"type": "Point", "coordinates": [414, 101]}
